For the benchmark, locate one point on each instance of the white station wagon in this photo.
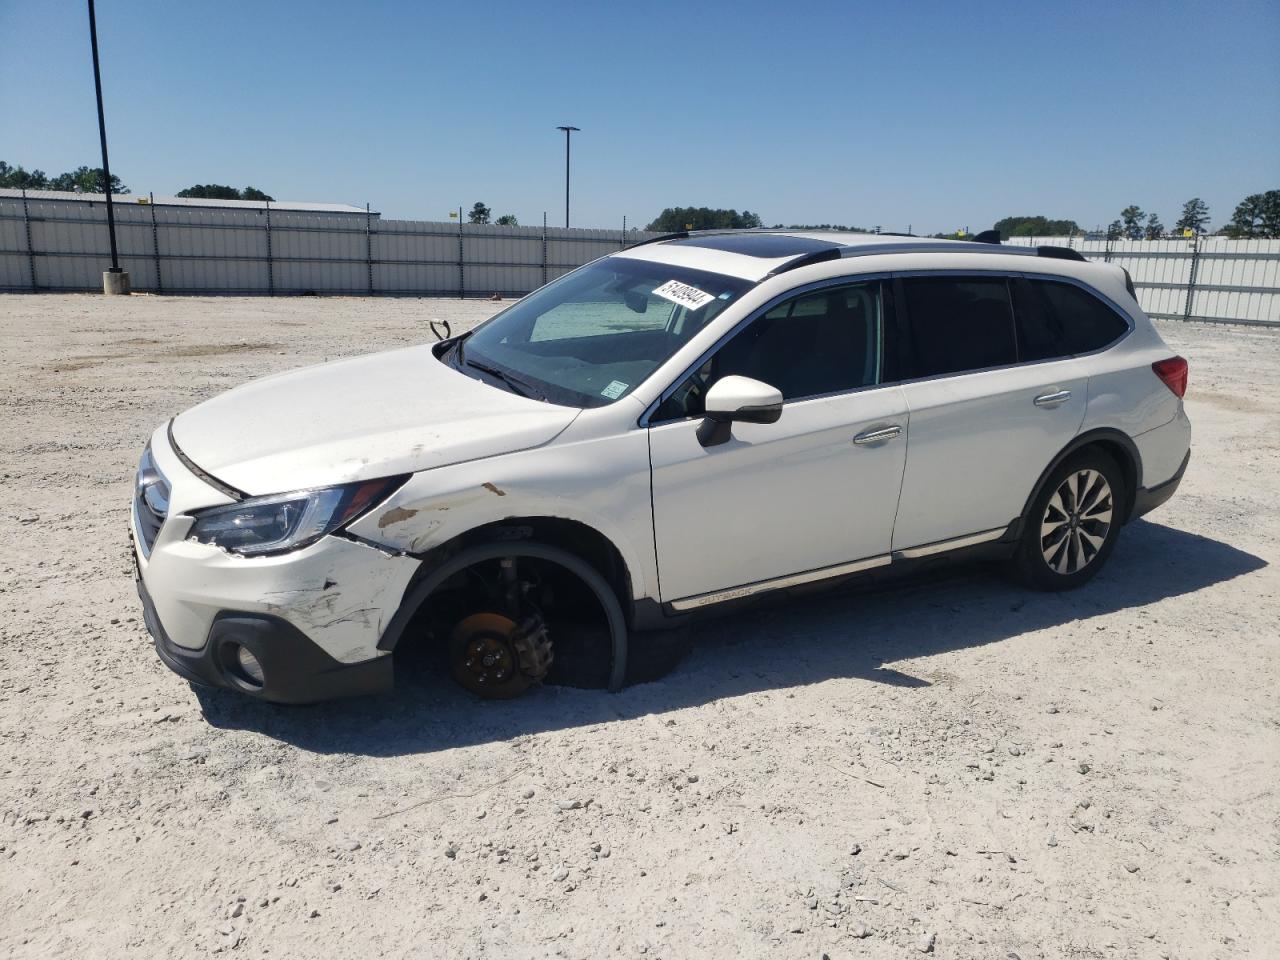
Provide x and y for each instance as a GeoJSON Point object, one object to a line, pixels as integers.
{"type": "Point", "coordinates": [689, 424]}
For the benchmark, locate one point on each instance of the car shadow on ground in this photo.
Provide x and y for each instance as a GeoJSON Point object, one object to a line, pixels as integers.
{"type": "Point", "coordinates": [841, 634]}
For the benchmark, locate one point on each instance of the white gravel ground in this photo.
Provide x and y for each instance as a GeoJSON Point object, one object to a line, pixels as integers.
{"type": "Point", "coordinates": [957, 765]}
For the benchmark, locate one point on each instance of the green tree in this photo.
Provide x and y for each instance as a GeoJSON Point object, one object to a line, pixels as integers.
{"type": "Point", "coordinates": [88, 179]}
{"type": "Point", "coordinates": [220, 191]}
{"type": "Point", "coordinates": [1036, 226]}
{"type": "Point", "coordinates": [1257, 215]}
{"type": "Point", "coordinates": [1154, 229]}
{"type": "Point", "coordinates": [1115, 230]}
{"type": "Point", "coordinates": [675, 219]}
{"type": "Point", "coordinates": [210, 191]}
{"type": "Point", "coordinates": [507, 220]}
{"type": "Point", "coordinates": [1131, 217]}
{"type": "Point", "coordinates": [1195, 216]}
{"type": "Point", "coordinates": [479, 213]}
{"type": "Point", "coordinates": [16, 178]}
{"type": "Point", "coordinates": [820, 226]}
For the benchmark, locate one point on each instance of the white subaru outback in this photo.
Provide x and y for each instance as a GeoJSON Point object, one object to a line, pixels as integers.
{"type": "Point", "coordinates": [686, 425]}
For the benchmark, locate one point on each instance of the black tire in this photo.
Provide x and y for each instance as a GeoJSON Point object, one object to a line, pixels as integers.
{"type": "Point", "coordinates": [1072, 525]}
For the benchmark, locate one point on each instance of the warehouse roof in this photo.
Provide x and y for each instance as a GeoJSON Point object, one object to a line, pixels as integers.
{"type": "Point", "coordinates": [133, 198]}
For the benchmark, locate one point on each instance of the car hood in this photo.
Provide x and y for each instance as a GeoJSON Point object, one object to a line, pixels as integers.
{"type": "Point", "coordinates": [372, 416]}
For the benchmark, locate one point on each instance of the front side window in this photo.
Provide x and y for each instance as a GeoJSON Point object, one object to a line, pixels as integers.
{"type": "Point", "coordinates": [828, 341]}
{"type": "Point", "coordinates": [595, 334]}
{"type": "Point", "coordinates": [957, 324]}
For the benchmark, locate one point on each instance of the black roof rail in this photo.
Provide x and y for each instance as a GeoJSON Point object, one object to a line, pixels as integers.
{"type": "Point", "coordinates": [818, 256]}
{"type": "Point", "coordinates": [679, 235]}
{"type": "Point", "coordinates": [1061, 253]}
{"type": "Point", "coordinates": [988, 236]}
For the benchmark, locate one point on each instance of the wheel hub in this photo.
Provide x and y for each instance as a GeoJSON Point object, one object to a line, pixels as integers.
{"type": "Point", "coordinates": [494, 656]}
{"type": "Point", "coordinates": [487, 652]}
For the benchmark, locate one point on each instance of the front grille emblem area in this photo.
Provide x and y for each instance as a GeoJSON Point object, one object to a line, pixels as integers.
{"type": "Point", "coordinates": [150, 501]}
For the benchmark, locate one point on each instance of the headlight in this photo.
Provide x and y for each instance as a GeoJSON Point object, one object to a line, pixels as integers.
{"type": "Point", "coordinates": [288, 521]}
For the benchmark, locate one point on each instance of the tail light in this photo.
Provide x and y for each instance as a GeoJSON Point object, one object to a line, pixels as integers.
{"type": "Point", "coordinates": [1174, 374]}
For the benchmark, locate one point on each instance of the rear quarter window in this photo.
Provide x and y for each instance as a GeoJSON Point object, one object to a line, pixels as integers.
{"type": "Point", "coordinates": [1074, 320]}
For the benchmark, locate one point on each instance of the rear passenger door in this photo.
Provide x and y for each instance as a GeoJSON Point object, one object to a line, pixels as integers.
{"type": "Point", "coordinates": [986, 418]}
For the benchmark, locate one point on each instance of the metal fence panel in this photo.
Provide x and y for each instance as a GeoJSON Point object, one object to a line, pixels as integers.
{"type": "Point", "coordinates": [180, 248]}
{"type": "Point", "coordinates": [259, 249]}
{"type": "Point", "coordinates": [1214, 279]}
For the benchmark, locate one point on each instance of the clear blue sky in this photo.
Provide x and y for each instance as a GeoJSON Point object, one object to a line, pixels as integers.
{"type": "Point", "coordinates": [936, 115]}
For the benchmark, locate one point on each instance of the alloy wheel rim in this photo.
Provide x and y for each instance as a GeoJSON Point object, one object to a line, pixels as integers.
{"type": "Point", "coordinates": [1076, 522]}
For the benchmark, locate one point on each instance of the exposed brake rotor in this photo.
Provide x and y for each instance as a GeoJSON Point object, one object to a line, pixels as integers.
{"type": "Point", "coordinates": [495, 657]}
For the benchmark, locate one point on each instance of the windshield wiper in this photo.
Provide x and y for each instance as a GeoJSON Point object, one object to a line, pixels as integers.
{"type": "Point", "coordinates": [522, 387]}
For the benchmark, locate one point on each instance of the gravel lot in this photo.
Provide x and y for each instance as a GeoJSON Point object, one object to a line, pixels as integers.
{"type": "Point", "coordinates": [958, 764]}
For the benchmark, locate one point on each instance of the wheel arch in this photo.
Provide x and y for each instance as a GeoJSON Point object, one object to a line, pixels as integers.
{"type": "Point", "coordinates": [1116, 444]}
{"type": "Point", "coordinates": [579, 548]}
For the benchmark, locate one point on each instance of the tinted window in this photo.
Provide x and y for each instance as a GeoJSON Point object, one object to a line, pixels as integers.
{"type": "Point", "coordinates": [956, 324]}
{"type": "Point", "coordinates": [1081, 321]}
{"type": "Point", "coordinates": [824, 342]}
{"type": "Point", "coordinates": [1040, 334]}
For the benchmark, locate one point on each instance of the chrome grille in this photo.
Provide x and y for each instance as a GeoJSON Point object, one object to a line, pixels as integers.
{"type": "Point", "coordinates": [150, 501]}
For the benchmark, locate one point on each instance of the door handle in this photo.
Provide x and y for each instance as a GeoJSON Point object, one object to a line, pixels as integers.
{"type": "Point", "coordinates": [877, 436]}
{"type": "Point", "coordinates": [1052, 399]}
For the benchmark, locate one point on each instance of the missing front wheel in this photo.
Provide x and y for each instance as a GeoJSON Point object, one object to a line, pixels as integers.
{"type": "Point", "coordinates": [494, 657]}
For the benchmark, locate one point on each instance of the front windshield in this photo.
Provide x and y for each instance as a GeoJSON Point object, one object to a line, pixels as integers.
{"type": "Point", "coordinates": [594, 335]}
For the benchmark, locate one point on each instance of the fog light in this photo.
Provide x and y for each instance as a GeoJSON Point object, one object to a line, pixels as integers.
{"type": "Point", "coordinates": [249, 664]}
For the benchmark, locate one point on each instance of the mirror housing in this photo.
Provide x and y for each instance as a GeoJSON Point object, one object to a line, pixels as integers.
{"type": "Point", "coordinates": [735, 399]}
{"type": "Point", "coordinates": [637, 301]}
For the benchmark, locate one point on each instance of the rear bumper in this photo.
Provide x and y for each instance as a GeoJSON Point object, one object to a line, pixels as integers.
{"type": "Point", "coordinates": [295, 669]}
{"type": "Point", "coordinates": [1148, 498]}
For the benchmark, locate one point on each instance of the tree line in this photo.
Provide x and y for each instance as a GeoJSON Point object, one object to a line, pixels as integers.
{"type": "Point", "coordinates": [84, 179]}
{"type": "Point", "coordinates": [481, 214]}
{"type": "Point", "coordinates": [92, 180]}
{"type": "Point", "coordinates": [1256, 216]}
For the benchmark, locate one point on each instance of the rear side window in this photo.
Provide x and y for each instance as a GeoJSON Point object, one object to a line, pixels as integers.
{"type": "Point", "coordinates": [955, 324]}
{"type": "Point", "coordinates": [1077, 320]}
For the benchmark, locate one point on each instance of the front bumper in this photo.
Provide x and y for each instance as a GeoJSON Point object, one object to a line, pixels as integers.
{"type": "Point", "coordinates": [294, 669]}
{"type": "Point", "coordinates": [312, 617]}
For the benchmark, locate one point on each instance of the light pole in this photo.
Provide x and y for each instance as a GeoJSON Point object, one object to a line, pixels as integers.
{"type": "Point", "coordinates": [114, 280]}
{"type": "Point", "coordinates": [568, 132]}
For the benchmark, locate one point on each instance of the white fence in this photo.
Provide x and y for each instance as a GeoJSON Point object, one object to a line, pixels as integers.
{"type": "Point", "coordinates": [59, 242]}
{"type": "Point", "coordinates": [1212, 279]}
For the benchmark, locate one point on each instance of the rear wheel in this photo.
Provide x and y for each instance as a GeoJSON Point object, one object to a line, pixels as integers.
{"type": "Point", "coordinates": [1072, 526]}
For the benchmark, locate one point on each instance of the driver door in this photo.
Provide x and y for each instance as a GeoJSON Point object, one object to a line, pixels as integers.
{"type": "Point", "coordinates": [810, 496]}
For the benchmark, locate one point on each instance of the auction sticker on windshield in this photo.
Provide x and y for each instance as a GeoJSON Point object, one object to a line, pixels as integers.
{"type": "Point", "coordinates": [683, 295]}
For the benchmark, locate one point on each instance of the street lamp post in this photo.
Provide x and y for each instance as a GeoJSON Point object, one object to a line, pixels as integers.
{"type": "Point", "coordinates": [114, 280]}
{"type": "Point", "coordinates": [568, 131]}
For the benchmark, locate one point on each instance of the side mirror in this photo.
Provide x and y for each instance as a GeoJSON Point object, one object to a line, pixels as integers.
{"type": "Point", "coordinates": [737, 400]}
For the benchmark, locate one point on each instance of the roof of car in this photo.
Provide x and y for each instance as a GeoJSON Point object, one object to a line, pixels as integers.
{"type": "Point", "coordinates": [755, 254]}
